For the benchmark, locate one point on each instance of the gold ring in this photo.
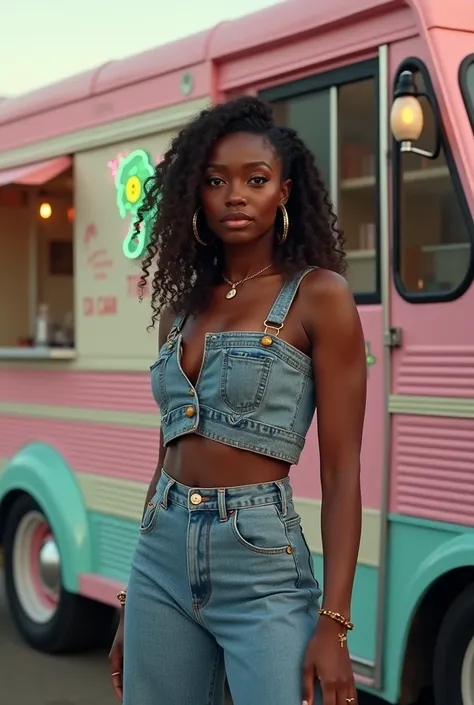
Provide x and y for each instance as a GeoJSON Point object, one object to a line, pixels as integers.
{"type": "Point", "coordinates": [118, 673]}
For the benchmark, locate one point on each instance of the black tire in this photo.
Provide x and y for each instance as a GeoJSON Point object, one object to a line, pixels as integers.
{"type": "Point", "coordinates": [455, 635]}
{"type": "Point", "coordinates": [77, 624]}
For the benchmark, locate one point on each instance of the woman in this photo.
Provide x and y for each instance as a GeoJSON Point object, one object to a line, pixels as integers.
{"type": "Point", "coordinates": [256, 326]}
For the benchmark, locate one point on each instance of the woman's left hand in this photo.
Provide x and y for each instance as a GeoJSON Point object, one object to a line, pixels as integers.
{"type": "Point", "coordinates": [329, 664]}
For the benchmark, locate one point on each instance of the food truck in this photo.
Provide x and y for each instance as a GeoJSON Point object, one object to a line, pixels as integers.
{"type": "Point", "coordinates": [383, 93]}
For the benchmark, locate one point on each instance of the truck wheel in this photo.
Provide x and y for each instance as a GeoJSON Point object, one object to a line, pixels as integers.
{"type": "Point", "coordinates": [453, 677]}
{"type": "Point", "coordinates": [49, 618]}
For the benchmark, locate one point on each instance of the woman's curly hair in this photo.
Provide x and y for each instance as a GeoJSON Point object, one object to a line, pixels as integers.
{"type": "Point", "coordinates": [185, 271]}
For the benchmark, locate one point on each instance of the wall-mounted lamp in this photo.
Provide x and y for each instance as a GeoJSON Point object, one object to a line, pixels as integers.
{"type": "Point", "coordinates": [45, 211]}
{"type": "Point", "coordinates": [406, 117]}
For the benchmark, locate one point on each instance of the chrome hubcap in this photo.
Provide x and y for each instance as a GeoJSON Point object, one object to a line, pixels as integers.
{"type": "Point", "coordinates": [36, 568]}
{"type": "Point", "coordinates": [49, 565]}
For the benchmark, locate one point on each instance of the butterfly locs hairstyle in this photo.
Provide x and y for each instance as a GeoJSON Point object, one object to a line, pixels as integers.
{"type": "Point", "coordinates": [184, 272]}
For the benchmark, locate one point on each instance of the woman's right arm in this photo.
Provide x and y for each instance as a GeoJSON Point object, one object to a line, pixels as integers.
{"type": "Point", "coordinates": [116, 652]}
{"type": "Point", "coordinates": [166, 321]}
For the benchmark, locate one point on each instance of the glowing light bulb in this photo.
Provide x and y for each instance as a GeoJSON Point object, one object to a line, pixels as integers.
{"type": "Point", "coordinates": [407, 115]}
{"type": "Point", "coordinates": [406, 119]}
{"type": "Point", "coordinates": [45, 211]}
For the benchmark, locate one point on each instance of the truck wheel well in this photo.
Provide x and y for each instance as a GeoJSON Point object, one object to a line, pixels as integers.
{"type": "Point", "coordinates": [417, 670]}
{"type": "Point", "coordinates": [5, 506]}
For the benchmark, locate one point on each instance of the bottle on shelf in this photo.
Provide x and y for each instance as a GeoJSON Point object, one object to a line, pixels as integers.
{"type": "Point", "coordinates": [42, 326]}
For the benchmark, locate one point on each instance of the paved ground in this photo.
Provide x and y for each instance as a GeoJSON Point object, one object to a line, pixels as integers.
{"type": "Point", "coordinates": [30, 678]}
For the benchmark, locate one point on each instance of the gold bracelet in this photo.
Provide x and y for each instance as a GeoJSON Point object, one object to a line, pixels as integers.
{"type": "Point", "coordinates": [337, 617]}
{"type": "Point", "coordinates": [122, 597]}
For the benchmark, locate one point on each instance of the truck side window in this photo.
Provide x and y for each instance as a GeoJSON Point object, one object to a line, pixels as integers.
{"type": "Point", "coordinates": [431, 231]}
{"type": "Point", "coordinates": [358, 193]}
{"type": "Point", "coordinates": [466, 82]}
{"type": "Point", "coordinates": [336, 114]}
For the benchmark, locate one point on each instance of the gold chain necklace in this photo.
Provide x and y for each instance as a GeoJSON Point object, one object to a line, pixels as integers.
{"type": "Point", "coordinates": [233, 285]}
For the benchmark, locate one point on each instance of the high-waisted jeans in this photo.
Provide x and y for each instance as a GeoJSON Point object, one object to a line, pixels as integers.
{"type": "Point", "coordinates": [222, 582]}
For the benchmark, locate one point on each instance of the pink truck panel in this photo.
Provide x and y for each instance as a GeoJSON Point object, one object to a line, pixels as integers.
{"type": "Point", "coordinates": [109, 450]}
{"type": "Point", "coordinates": [151, 79]}
{"type": "Point", "coordinates": [114, 391]}
{"type": "Point", "coordinates": [432, 459]}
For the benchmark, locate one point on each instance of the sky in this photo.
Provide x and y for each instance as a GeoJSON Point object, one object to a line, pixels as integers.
{"type": "Point", "coordinates": [44, 41]}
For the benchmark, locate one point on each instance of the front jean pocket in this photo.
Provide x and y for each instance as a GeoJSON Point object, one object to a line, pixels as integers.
{"type": "Point", "coordinates": [244, 379]}
{"type": "Point", "coordinates": [260, 529]}
{"type": "Point", "coordinates": [150, 516]}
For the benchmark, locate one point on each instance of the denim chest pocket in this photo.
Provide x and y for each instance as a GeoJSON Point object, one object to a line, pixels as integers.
{"type": "Point", "coordinates": [244, 379]}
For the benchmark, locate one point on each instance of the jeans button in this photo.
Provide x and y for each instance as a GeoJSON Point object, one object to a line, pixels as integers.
{"type": "Point", "coordinates": [196, 498]}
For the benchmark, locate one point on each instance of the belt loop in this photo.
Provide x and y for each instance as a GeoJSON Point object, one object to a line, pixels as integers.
{"type": "Point", "coordinates": [284, 502]}
{"type": "Point", "coordinates": [164, 501]}
{"type": "Point", "coordinates": [221, 504]}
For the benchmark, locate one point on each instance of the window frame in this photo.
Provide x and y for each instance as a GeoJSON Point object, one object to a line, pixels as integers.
{"type": "Point", "coordinates": [344, 75]}
{"type": "Point", "coordinates": [415, 64]}
{"type": "Point", "coordinates": [465, 65]}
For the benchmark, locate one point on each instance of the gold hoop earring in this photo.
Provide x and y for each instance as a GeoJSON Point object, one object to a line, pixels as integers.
{"type": "Point", "coordinates": [195, 229]}
{"type": "Point", "coordinates": [286, 224]}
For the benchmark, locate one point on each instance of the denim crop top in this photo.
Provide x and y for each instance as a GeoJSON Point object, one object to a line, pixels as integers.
{"type": "Point", "coordinates": [254, 391]}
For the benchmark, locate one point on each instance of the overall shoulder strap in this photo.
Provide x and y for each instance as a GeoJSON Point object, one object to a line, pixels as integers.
{"type": "Point", "coordinates": [178, 324]}
{"type": "Point", "coordinates": [279, 310]}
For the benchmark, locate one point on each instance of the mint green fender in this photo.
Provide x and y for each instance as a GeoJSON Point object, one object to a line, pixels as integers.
{"type": "Point", "coordinates": [456, 552]}
{"type": "Point", "coordinates": [42, 473]}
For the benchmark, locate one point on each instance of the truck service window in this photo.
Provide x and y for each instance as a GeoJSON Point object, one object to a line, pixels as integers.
{"type": "Point", "coordinates": [36, 266]}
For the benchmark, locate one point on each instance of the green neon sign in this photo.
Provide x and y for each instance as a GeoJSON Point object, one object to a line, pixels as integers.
{"type": "Point", "coordinates": [132, 172]}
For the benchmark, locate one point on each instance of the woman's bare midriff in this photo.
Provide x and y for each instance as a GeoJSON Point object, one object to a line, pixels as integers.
{"type": "Point", "coordinates": [199, 462]}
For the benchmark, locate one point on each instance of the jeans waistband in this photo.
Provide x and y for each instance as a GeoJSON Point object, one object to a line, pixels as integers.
{"type": "Point", "coordinates": [224, 499]}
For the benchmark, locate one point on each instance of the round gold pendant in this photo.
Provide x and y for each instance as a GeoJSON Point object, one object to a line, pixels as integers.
{"type": "Point", "coordinates": [230, 294]}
